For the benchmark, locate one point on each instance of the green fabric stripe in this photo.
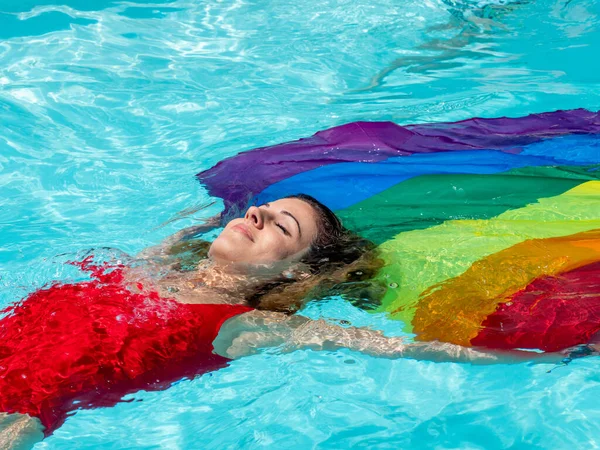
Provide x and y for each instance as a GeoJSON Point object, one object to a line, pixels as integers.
{"type": "Point", "coordinates": [430, 200]}
{"type": "Point", "coordinates": [419, 259]}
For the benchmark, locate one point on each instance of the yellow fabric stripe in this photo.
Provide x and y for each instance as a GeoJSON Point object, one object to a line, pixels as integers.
{"type": "Point", "coordinates": [419, 259]}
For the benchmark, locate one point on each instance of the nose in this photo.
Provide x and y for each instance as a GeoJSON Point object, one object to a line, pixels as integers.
{"type": "Point", "coordinates": [254, 215]}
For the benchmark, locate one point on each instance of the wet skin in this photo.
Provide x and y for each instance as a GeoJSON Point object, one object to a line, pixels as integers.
{"type": "Point", "coordinates": [277, 232]}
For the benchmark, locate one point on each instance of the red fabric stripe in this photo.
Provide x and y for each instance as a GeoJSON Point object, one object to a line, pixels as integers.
{"type": "Point", "coordinates": [551, 313]}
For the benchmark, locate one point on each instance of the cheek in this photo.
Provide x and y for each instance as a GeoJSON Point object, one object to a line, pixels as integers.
{"type": "Point", "coordinates": [277, 247]}
{"type": "Point", "coordinates": [270, 246]}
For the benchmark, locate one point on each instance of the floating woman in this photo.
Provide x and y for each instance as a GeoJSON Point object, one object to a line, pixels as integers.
{"type": "Point", "coordinates": [87, 344]}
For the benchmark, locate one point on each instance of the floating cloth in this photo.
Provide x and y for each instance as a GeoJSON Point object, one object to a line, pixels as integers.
{"type": "Point", "coordinates": [420, 259]}
{"type": "Point", "coordinates": [377, 141]}
{"type": "Point", "coordinates": [451, 206]}
{"type": "Point", "coordinates": [498, 280]}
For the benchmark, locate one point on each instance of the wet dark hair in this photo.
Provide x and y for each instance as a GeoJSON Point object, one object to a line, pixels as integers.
{"type": "Point", "coordinates": [333, 244]}
{"type": "Point", "coordinates": [340, 262]}
{"type": "Point", "coordinates": [328, 225]}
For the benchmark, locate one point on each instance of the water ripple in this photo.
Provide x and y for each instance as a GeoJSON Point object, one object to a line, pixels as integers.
{"type": "Point", "coordinates": [109, 108]}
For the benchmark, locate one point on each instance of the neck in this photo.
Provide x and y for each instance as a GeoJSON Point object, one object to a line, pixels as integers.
{"type": "Point", "coordinates": [230, 279]}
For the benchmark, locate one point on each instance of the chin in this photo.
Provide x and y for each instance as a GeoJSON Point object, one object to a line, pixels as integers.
{"type": "Point", "coordinates": [225, 250]}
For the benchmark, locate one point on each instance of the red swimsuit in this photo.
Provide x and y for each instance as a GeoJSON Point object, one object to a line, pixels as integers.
{"type": "Point", "coordinates": [87, 344]}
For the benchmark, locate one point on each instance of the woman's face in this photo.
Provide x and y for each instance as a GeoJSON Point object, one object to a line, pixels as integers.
{"type": "Point", "coordinates": [279, 231]}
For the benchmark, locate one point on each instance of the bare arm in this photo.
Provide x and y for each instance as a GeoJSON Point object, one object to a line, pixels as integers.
{"type": "Point", "coordinates": [182, 235]}
{"type": "Point", "coordinates": [249, 333]}
{"type": "Point", "coordinates": [19, 431]}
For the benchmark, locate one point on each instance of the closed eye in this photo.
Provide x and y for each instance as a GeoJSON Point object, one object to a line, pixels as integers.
{"type": "Point", "coordinates": [285, 231]}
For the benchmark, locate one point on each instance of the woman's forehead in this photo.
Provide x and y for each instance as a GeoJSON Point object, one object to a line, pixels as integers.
{"type": "Point", "coordinates": [295, 204]}
{"type": "Point", "coordinates": [303, 212]}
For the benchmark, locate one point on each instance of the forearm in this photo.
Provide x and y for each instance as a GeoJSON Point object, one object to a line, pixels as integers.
{"type": "Point", "coordinates": [445, 352]}
{"type": "Point", "coordinates": [258, 330]}
{"type": "Point", "coordinates": [296, 332]}
{"type": "Point", "coordinates": [164, 247]}
{"type": "Point", "coordinates": [187, 233]}
{"type": "Point", "coordinates": [321, 335]}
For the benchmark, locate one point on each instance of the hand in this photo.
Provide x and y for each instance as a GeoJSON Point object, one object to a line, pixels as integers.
{"type": "Point", "coordinates": [579, 351]}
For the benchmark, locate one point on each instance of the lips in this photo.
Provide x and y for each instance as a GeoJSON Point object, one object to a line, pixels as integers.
{"type": "Point", "coordinates": [243, 229]}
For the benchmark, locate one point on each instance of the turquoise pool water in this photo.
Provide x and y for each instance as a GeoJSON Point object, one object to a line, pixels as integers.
{"type": "Point", "coordinates": [109, 108]}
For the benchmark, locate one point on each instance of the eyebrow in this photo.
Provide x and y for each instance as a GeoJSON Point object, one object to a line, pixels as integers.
{"type": "Point", "coordinates": [287, 213]}
{"type": "Point", "coordinates": [297, 223]}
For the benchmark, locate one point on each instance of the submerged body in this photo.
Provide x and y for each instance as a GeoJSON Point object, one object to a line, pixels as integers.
{"type": "Point", "coordinates": [88, 344]}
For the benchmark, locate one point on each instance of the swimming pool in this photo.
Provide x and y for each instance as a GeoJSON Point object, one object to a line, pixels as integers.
{"type": "Point", "coordinates": [109, 109]}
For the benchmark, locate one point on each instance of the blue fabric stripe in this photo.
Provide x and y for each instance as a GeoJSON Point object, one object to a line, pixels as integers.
{"type": "Point", "coordinates": [342, 185]}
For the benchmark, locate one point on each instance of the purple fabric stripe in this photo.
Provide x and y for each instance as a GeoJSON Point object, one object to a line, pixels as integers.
{"type": "Point", "coordinates": [499, 133]}
{"type": "Point", "coordinates": [238, 179]}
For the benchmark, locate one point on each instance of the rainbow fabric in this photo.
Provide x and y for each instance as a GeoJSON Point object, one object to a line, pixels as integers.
{"type": "Point", "coordinates": [490, 228]}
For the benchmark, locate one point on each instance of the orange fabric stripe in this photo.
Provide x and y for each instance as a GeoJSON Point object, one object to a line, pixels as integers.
{"type": "Point", "coordinates": [453, 311]}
